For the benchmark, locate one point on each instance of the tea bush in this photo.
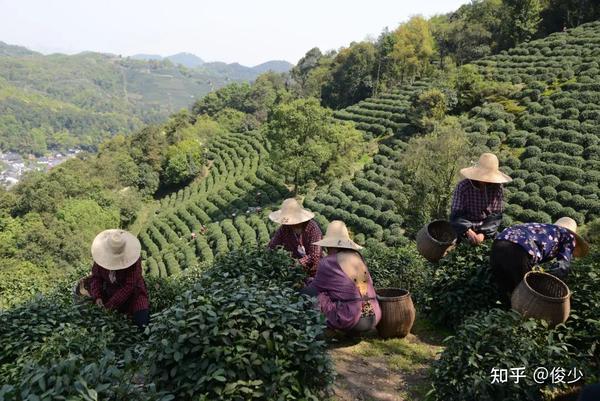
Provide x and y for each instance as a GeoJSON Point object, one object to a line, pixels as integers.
{"type": "Point", "coordinates": [461, 285]}
{"type": "Point", "coordinates": [501, 339]}
{"type": "Point", "coordinates": [51, 348]}
{"type": "Point", "coordinates": [242, 332]}
{"type": "Point", "coordinates": [504, 340]}
{"type": "Point", "coordinates": [399, 267]}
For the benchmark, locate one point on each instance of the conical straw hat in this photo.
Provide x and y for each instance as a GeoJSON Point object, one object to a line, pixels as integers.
{"type": "Point", "coordinates": [291, 213]}
{"type": "Point", "coordinates": [337, 236]}
{"type": "Point", "coordinates": [487, 169]}
{"type": "Point", "coordinates": [582, 248]}
{"type": "Point", "coordinates": [116, 249]}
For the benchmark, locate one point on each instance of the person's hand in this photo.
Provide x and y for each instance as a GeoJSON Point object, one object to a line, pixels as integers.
{"type": "Point", "coordinates": [471, 237]}
{"type": "Point", "coordinates": [480, 238]}
{"type": "Point", "coordinates": [99, 302]}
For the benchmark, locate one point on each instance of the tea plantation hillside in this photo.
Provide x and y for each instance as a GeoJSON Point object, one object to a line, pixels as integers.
{"type": "Point", "coordinates": [236, 183]}
{"type": "Point", "coordinates": [547, 135]}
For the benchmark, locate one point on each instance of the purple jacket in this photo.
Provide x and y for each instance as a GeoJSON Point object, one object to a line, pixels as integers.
{"type": "Point", "coordinates": [339, 298]}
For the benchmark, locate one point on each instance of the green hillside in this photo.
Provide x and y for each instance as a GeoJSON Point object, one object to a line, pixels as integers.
{"type": "Point", "coordinates": [83, 99]}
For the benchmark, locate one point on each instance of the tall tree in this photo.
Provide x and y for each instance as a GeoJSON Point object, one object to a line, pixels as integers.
{"type": "Point", "coordinates": [413, 48]}
{"type": "Point", "coordinates": [351, 77]}
{"type": "Point", "coordinates": [309, 146]}
{"type": "Point", "coordinates": [431, 164]}
{"type": "Point", "coordinates": [521, 19]}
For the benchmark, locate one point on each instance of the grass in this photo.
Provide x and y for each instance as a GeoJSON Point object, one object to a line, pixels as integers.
{"type": "Point", "coordinates": [409, 358]}
{"type": "Point", "coordinates": [408, 355]}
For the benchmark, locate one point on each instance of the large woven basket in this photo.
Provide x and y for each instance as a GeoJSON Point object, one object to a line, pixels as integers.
{"type": "Point", "coordinates": [435, 240]}
{"type": "Point", "coordinates": [397, 312]}
{"type": "Point", "coordinates": [542, 296]}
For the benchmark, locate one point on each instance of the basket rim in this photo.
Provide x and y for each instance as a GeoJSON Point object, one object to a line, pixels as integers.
{"type": "Point", "coordinates": [436, 240]}
{"type": "Point", "coordinates": [397, 297]}
{"type": "Point", "coordinates": [546, 297]}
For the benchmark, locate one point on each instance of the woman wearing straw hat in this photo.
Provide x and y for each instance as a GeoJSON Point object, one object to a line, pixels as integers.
{"type": "Point", "coordinates": [476, 211]}
{"type": "Point", "coordinates": [343, 285]}
{"type": "Point", "coordinates": [297, 234]}
{"type": "Point", "coordinates": [116, 282]}
{"type": "Point", "coordinates": [518, 248]}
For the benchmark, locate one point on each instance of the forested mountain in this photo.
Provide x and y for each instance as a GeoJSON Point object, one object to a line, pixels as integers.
{"type": "Point", "coordinates": [60, 101]}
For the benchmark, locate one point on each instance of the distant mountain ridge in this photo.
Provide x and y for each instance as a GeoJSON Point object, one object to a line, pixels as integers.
{"type": "Point", "coordinates": [190, 60]}
{"type": "Point", "coordinates": [60, 101]}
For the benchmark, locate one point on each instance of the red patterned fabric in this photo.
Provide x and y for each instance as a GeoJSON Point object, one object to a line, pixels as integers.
{"type": "Point", "coordinates": [128, 293]}
{"type": "Point", "coordinates": [285, 237]}
{"type": "Point", "coordinates": [475, 204]}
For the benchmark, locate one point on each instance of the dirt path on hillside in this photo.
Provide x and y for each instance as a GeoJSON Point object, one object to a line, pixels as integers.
{"type": "Point", "coordinates": [372, 369]}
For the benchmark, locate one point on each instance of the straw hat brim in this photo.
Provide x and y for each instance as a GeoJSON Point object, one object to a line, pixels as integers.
{"type": "Point", "coordinates": [338, 243]}
{"type": "Point", "coordinates": [298, 217]}
{"type": "Point", "coordinates": [484, 175]}
{"type": "Point", "coordinates": [103, 256]}
{"type": "Point", "coordinates": [582, 248]}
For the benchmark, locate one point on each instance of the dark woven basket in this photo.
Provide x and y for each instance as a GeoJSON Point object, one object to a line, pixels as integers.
{"type": "Point", "coordinates": [435, 240]}
{"type": "Point", "coordinates": [542, 296]}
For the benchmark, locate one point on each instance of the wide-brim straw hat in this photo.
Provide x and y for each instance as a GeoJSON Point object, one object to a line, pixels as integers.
{"type": "Point", "coordinates": [291, 213]}
{"type": "Point", "coordinates": [582, 248]}
{"type": "Point", "coordinates": [337, 236]}
{"type": "Point", "coordinates": [487, 169]}
{"type": "Point", "coordinates": [116, 249]}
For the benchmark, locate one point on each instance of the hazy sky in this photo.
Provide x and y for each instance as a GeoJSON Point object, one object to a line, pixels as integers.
{"type": "Point", "coordinates": [249, 32]}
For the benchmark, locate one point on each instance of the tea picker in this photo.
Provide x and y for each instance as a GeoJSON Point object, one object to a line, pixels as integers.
{"type": "Point", "coordinates": [297, 234]}
{"type": "Point", "coordinates": [519, 248]}
{"type": "Point", "coordinates": [476, 211]}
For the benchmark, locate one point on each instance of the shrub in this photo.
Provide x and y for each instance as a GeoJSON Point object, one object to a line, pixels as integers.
{"type": "Point", "coordinates": [499, 339]}
{"type": "Point", "coordinates": [398, 267]}
{"type": "Point", "coordinates": [253, 337]}
{"type": "Point", "coordinates": [461, 285]}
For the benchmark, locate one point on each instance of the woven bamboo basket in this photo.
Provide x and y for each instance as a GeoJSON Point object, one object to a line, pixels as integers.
{"type": "Point", "coordinates": [397, 312]}
{"type": "Point", "coordinates": [542, 296]}
{"type": "Point", "coordinates": [435, 240]}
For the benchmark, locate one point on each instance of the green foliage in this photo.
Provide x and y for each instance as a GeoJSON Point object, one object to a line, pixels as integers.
{"type": "Point", "coordinates": [500, 339]}
{"type": "Point", "coordinates": [461, 285]}
{"type": "Point", "coordinates": [251, 336]}
{"type": "Point", "coordinates": [308, 146]}
{"type": "Point", "coordinates": [400, 268]}
{"type": "Point", "coordinates": [20, 281]}
{"type": "Point", "coordinates": [183, 162]}
{"type": "Point", "coordinates": [351, 76]}
{"type": "Point", "coordinates": [431, 165]}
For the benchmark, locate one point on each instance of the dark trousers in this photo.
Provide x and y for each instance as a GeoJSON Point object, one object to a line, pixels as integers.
{"type": "Point", "coordinates": [141, 318]}
{"type": "Point", "coordinates": [509, 262]}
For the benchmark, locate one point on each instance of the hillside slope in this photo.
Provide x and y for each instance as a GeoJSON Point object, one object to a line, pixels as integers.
{"type": "Point", "coordinates": [121, 92]}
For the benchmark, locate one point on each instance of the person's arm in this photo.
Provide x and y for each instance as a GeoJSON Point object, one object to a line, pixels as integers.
{"type": "Point", "coordinates": [560, 268]}
{"type": "Point", "coordinates": [134, 274]}
{"type": "Point", "coordinates": [313, 252]}
{"type": "Point", "coordinates": [96, 283]}
{"type": "Point", "coordinates": [490, 225]}
{"type": "Point", "coordinates": [276, 240]}
{"type": "Point", "coordinates": [460, 224]}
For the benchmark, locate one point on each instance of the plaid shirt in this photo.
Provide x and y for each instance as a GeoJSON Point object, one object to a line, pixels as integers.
{"type": "Point", "coordinates": [285, 237]}
{"type": "Point", "coordinates": [475, 204]}
{"type": "Point", "coordinates": [127, 294]}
